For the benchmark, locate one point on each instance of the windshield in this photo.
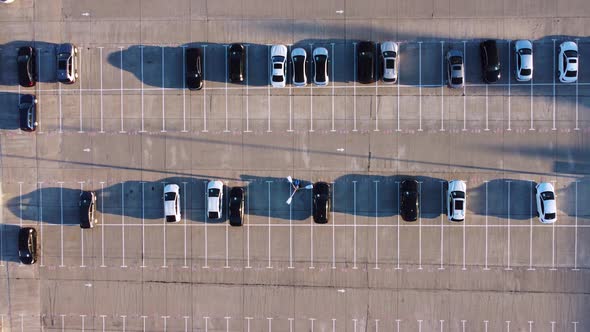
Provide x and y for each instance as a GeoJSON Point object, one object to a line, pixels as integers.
{"type": "Point", "coordinates": [457, 80]}
{"type": "Point", "coordinates": [278, 66]}
{"type": "Point", "coordinates": [278, 59]}
{"type": "Point", "coordinates": [571, 54]}
{"type": "Point", "coordinates": [389, 54]}
{"type": "Point", "coordinates": [550, 216]}
{"type": "Point", "coordinates": [525, 72]}
{"type": "Point", "coordinates": [458, 194]}
{"type": "Point", "coordinates": [547, 195]}
{"type": "Point", "coordinates": [169, 196]}
{"type": "Point", "coordinates": [526, 51]}
{"type": "Point", "coordinates": [456, 60]}
{"type": "Point", "coordinates": [214, 192]}
{"type": "Point", "coordinates": [570, 73]}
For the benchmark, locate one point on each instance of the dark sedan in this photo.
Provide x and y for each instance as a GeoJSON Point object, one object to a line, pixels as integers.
{"type": "Point", "coordinates": [366, 62]}
{"type": "Point", "coordinates": [194, 69]}
{"type": "Point", "coordinates": [27, 109]}
{"type": "Point", "coordinates": [236, 206]}
{"type": "Point", "coordinates": [236, 63]}
{"type": "Point", "coordinates": [409, 200]}
{"type": "Point", "coordinates": [490, 61]}
{"type": "Point", "coordinates": [27, 245]}
{"type": "Point", "coordinates": [87, 209]}
{"type": "Point", "coordinates": [27, 66]}
{"type": "Point", "coordinates": [321, 202]}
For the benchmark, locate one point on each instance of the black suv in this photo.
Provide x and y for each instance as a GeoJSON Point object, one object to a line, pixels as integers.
{"type": "Point", "coordinates": [27, 66]}
{"type": "Point", "coordinates": [27, 245]}
{"type": "Point", "coordinates": [490, 61]}
{"type": "Point", "coordinates": [194, 69]}
{"type": "Point", "coordinates": [366, 62]}
{"type": "Point", "coordinates": [27, 109]}
{"type": "Point", "coordinates": [87, 209]}
{"type": "Point", "coordinates": [236, 63]}
{"type": "Point", "coordinates": [236, 206]}
{"type": "Point", "coordinates": [409, 200]}
{"type": "Point", "coordinates": [321, 202]}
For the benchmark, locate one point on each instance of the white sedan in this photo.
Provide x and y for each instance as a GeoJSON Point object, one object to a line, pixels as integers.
{"type": "Point", "coordinates": [546, 206]}
{"type": "Point", "coordinates": [214, 199]}
{"type": "Point", "coordinates": [172, 203]}
{"type": "Point", "coordinates": [390, 57]}
{"type": "Point", "coordinates": [567, 62]}
{"type": "Point", "coordinates": [278, 63]}
{"type": "Point", "coordinates": [523, 51]}
{"type": "Point", "coordinates": [456, 200]}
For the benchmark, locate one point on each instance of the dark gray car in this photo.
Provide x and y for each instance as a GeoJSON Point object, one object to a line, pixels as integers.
{"type": "Point", "coordinates": [455, 69]}
{"type": "Point", "coordinates": [67, 63]}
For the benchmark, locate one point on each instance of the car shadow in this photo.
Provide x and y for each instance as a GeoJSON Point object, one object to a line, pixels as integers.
{"type": "Point", "coordinates": [46, 63]}
{"type": "Point", "coordinates": [9, 116]}
{"type": "Point", "coordinates": [504, 198]}
{"type": "Point", "coordinates": [9, 237]}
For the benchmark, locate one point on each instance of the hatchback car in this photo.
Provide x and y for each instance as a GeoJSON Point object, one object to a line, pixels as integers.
{"type": "Point", "coordinates": [320, 61]}
{"type": "Point", "coordinates": [236, 63]}
{"type": "Point", "coordinates": [568, 62]}
{"type": "Point", "coordinates": [214, 199]}
{"type": "Point", "coordinates": [172, 202]}
{"type": "Point", "coordinates": [87, 206]}
{"type": "Point", "coordinates": [366, 62]}
{"type": "Point", "coordinates": [409, 204]}
{"type": "Point", "coordinates": [523, 51]}
{"type": "Point", "coordinates": [321, 202]}
{"type": "Point", "coordinates": [390, 60]}
{"type": "Point", "coordinates": [455, 69]}
{"type": "Point", "coordinates": [490, 61]}
{"type": "Point", "coordinates": [27, 245]}
{"type": "Point", "coordinates": [456, 200]}
{"type": "Point", "coordinates": [27, 66]}
{"type": "Point", "coordinates": [27, 109]}
{"type": "Point", "coordinates": [194, 68]}
{"type": "Point", "coordinates": [67, 63]}
{"type": "Point", "coordinates": [236, 206]}
{"type": "Point", "coordinates": [299, 63]}
{"type": "Point", "coordinates": [546, 206]}
{"type": "Point", "coordinates": [278, 63]}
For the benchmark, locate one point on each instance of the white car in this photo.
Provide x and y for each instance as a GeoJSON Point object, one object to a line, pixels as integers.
{"type": "Point", "coordinates": [172, 202]}
{"type": "Point", "coordinates": [546, 206]}
{"type": "Point", "coordinates": [523, 51]}
{"type": "Point", "coordinates": [214, 199]}
{"type": "Point", "coordinates": [567, 62]}
{"type": "Point", "coordinates": [320, 61]}
{"type": "Point", "coordinates": [278, 66]}
{"type": "Point", "coordinates": [456, 200]}
{"type": "Point", "coordinates": [299, 62]}
{"type": "Point", "coordinates": [389, 54]}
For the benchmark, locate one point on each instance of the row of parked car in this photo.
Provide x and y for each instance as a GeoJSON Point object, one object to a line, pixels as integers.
{"type": "Point", "coordinates": [409, 207]}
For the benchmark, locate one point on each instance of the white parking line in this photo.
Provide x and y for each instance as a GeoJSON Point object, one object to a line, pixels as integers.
{"type": "Point", "coordinates": [82, 317]}
{"type": "Point", "coordinates": [354, 220]}
{"type": "Point", "coordinates": [419, 325]}
{"type": "Point", "coordinates": [354, 90]}
{"type": "Point", "coordinates": [311, 320]}
{"type": "Point", "coordinates": [530, 326]}
{"type": "Point", "coordinates": [398, 225]}
{"type": "Point", "coordinates": [531, 268]}
{"type": "Point", "coordinates": [60, 114]}
{"type": "Point", "coordinates": [205, 91]}
{"type": "Point", "coordinates": [248, 233]}
{"type": "Point", "coordinates": [552, 326]}
{"type": "Point", "coordinates": [485, 325]}
{"type": "Point", "coordinates": [508, 228]}
{"type": "Point", "coordinates": [442, 221]}
{"type": "Point", "coordinates": [165, 318]}
{"type": "Point", "coordinates": [376, 325]}
{"type": "Point", "coordinates": [554, 74]}
{"type": "Point", "coordinates": [354, 321]}
{"type": "Point", "coordinates": [442, 85]}
{"type": "Point", "coordinates": [269, 324]}
{"type": "Point", "coordinates": [290, 324]}
{"type": "Point", "coordinates": [420, 83]}
{"type": "Point", "coordinates": [463, 325]}
{"type": "Point", "coordinates": [121, 87]}
{"type": "Point", "coordinates": [80, 88]}
{"type": "Point", "coordinates": [577, 83]}
{"type": "Point", "coordinates": [311, 225]}
{"type": "Point", "coordinates": [124, 322]}
{"type": "Point", "coordinates": [142, 224]}
{"type": "Point", "coordinates": [333, 324]}
{"type": "Point", "coordinates": [509, 81]}
{"type": "Point", "coordinates": [376, 96]}
{"type": "Point", "coordinates": [63, 323]}
{"type": "Point", "coordinates": [333, 226]}
{"type": "Point", "coordinates": [102, 223]}
{"type": "Point", "coordinates": [141, 47]}
{"type": "Point", "coordinates": [123, 224]}
{"type": "Point", "coordinates": [290, 229]}
{"type": "Point", "coordinates": [333, 82]}
{"type": "Point", "coordinates": [464, 246]}
{"type": "Point", "coordinates": [20, 203]}
{"type": "Point", "coordinates": [164, 265]}
{"type": "Point", "coordinates": [487, 128]}
{"type": "Point", "coordinates": [38, 89]}
{"type": "Point", "coordinates": [441, 325]}
{"type": "Point", "coordinates": [397, 321]}
{"type": "Point", "coordinates": [82, 232]}
{"type": "Point", "coordinates": [227, 318]}
{"type": "Point", "coordinates": [186, 218]}
{"type": "Point", "coordinates": [376, 226]}
{"type": "Point", "coordinates": [61, 209]}
{"type": "Point", "coordinates": [311, 95]}
{"type": "Point", "coordinates": [206, 266]}
{"type": "Point", "coordinates": [269, 243]}
{"type": "Point", "coordinates": [206, 323]}
{"type": "Point", "coordinates": [185, 323]}
{"type": "Point", "coordinates": [163, 94]}
{"type": "Point", "coordinates": [532, 108]}
{"type": "Point", "coordinates": [398, 112]}
{"type": "Point", "coordinates": [290, 102]}
{"type": "Point", "coordinates": [101, 90]}
{"type": "Point", "coordinates": [268, 88]}
{"type": "Point", "coordinates": [226, 116]}
{"type": "Point", "coordinates": [248, 319]}
{"type": "Point", "coordinates": [247, 93]}
{"type": "Point", "coordinates": [576, 229]}
{"type": "Point", "coordinates": [103, 322]}
{"type": "Point", "coordinates": [420, 227]}
{"type": "Point", "coordinates": [465, 88]}
{"type": "Point", "coordinates": [486, 252]}
{"type": "Point", "coordinates": [184, 92]}
{"type": "Point", "coordinates": [226, 230]}
{"type": "Point", "coordinates": [575, 326]}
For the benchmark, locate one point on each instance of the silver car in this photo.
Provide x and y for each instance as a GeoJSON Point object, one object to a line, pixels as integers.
{"type": "Point", "coordinates": [455, 69]}
{"type": "Point", "coordinates": [390, 57]}
{"type": "Point", "coordinates": [523, 51]}
{"type": "Point", "coordinates": [67, 63]}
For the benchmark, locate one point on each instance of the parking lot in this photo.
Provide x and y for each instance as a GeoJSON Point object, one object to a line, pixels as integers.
{"type": "Point", "coordinates": [129, 126]}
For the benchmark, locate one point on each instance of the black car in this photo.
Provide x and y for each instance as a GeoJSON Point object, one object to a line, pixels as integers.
{"type": "Point", "coordinates": [409, 200]}
{"type": "Point", "coordinates": [194, 68]}
{"type": "Point", "coordinates": [27, 245]}
{"type": "Point", "coordinates": [236, 63]}
{"type": "Point", "coordinates": [490, 61]}
{"type": "Point", "coordinates": [27, 109]}
{"type": "Point", "coordinates": [87, 209]}
{"type": "Point", "coordinates": [321, 202]}
{"type": "Point", "coordinates": [366, 62]}
{"type": "Point", "coordinates": [236, 206]}
{"type": "Point", "coordinates": [27, 66]}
